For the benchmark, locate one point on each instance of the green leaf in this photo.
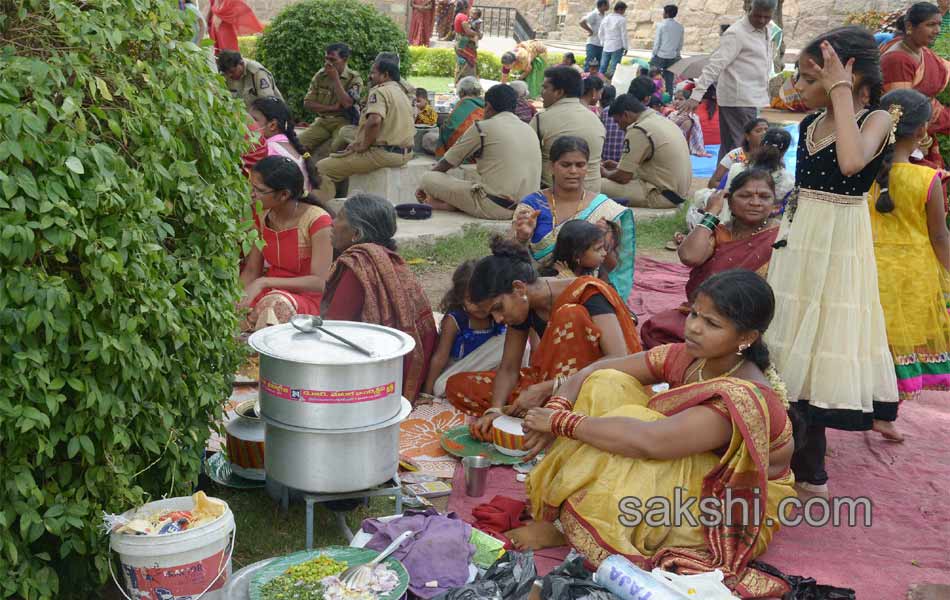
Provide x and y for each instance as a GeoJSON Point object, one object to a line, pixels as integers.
{"type": "Point", "coordinates": [75, 165]}
{"type": "Point", "coordinates": [103, 88]}
{"type": "Point", "coordinates": [73, 448]}
{"type": "Point", "coordinates": [33, 321]}
{"type": "Point", "coordinates": [87, 446]}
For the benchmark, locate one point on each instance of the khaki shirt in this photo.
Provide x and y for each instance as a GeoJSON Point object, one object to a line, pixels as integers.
{"type": "Point", "coordinates": [322, 89]}
{"type": "Point", "coordinates": [257, 82]}
{"type": "Point", "coordinates": [510, 160]}
{"type": "Point", "coordinates": [569, 117]}
{"type": "Point", "coordinates": [391, 103]}
{"type": "Point", "coordinates": [666, 162]}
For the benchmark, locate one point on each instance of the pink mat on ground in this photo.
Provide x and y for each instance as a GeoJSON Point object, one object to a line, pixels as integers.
{"type": "Point", "coordinates": [909, 538]}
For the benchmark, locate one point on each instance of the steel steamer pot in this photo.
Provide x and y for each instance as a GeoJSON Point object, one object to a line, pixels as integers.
{"type": "Point", "coordinates": [332, 413]}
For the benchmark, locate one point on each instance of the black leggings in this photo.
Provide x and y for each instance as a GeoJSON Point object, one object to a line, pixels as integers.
{"type": "Point", "coordinates": [808, 462]}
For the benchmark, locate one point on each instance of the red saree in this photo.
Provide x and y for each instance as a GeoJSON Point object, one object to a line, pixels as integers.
{"type": "Point", "coordinates": [570, 343]}
{"type": "Point", "coordinates": [573, 471]}
{"type": "Point", "coordinates": [386, 293]}
{"type": "Point", "coordinates": [752, 254]}
{"type": "Point", "coordinates": [930, 77]}
{"type": "Point", "coordinates": [423, 20]}
{"type": "Point", "coordinates": [228, 19]}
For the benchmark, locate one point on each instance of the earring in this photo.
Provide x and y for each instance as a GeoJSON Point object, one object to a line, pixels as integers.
{"type": "Point", "coordinates": [525, 297]}
{"type": "Point", "coordinates": [742, 348]}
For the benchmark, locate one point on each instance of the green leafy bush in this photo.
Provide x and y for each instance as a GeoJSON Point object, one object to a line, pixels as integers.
{"type": "Point", "coordinates": [247, 46]}
{"type": "Point", "coordinates": [292, 46]}
{"type": "Point", "coordinates": [121, 207]}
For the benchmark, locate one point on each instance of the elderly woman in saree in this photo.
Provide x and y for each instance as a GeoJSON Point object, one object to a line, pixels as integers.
{"type": "Point", "coordinates": [577, 320]}
{"type": "Point", "coordinates": [539, 217]}
{"type": "Point", "coordinates": [369, 282]}
{"type": "Point", "coordinates": [907, 62]}
{"type": "Point", "coordinates": [528, 59]}
{"type": "Point", "coordinates": [470, 108]}
{"type": "Point", "coordinates": [720, 436]}
{"type": "Point", "coordinates": [745, 242]}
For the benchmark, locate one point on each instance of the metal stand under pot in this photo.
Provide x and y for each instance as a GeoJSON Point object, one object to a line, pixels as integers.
{"type": "Point", "coordinates": [393, 487]}
{"type": "Point", "coordinates": [332, 406]}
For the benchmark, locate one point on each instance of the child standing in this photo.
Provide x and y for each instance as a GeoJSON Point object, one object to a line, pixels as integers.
{"type": "Point", "coordinates": [426, 114]}
{"type": "Point", "coordinates": [469, 340]}
{"type": "Point", "coordinates": [912, 248]}
{"type": "Point", "coordinates": [828, 337]}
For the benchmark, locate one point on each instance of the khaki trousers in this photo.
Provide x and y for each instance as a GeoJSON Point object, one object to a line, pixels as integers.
{"type": "Point", "coordinates": [635, 193]}
{"type": "Point", "coordinates": [466, 196]}
{"type": "Point", "coordinates": [335, 169]}
{"type": "Point", "coordinates": [321, 130]}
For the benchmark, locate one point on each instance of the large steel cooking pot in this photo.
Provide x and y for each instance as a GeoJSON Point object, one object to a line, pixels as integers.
{"type": "Point", "coordinates": [314, 381]}
{"type": "Point", "coordinates": [333, 461]}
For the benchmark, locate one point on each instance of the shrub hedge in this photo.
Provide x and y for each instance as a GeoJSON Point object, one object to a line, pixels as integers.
{"type": "Point", "coordinates": [121, 207]}
{"type": "Point", "coordinates": [440, 62]}
{"type": "Point", "coordinates": [292, 46]}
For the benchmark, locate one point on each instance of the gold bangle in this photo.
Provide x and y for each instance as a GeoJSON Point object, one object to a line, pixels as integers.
{"type": "Point", "coordinates": [493, 409]}
{"type": "Point", "coordinates": [843, 82]}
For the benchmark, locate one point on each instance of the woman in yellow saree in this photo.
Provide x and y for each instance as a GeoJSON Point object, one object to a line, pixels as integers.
{"type": "Point", "coordinates": [721, 436]}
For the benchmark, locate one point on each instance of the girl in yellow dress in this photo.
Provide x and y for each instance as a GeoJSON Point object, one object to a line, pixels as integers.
{"type": "Point", "coordinates": [912, 248]}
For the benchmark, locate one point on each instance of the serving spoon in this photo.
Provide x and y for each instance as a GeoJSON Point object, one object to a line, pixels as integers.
{"type": "Point", "coordinates": [313, 323]}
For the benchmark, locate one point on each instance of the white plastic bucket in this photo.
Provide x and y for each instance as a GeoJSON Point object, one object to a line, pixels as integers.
{"type": "Point", "coordinates": [188, 565]}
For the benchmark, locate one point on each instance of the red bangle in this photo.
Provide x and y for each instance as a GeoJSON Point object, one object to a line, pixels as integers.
{"type": "Point", "coordinates": [564, 423]}
{"type": "Point", "coordinates": [559, 403]}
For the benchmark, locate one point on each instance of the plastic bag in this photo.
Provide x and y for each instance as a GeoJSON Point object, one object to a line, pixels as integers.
{"type": "Point", "coordinates": [510, 578]}
{"type": "Point", "coordinates": [571, 581]}
{"type": "Point", "coordinates": [805, 588]}
{"type": "Point", "coordinates": [707, 586]}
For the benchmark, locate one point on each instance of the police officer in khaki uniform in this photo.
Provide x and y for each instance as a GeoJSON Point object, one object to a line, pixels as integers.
{"type": "Point", "coordinates": [565, 115]}
{"type": "Point", "coordinates": [247, 79]}
{"type": "Point", "coordinates": [509, 163]}
{"type": "Point", "coordinates": [654, 169]}
{"type": "Point", "coordinates": [384, 137]}
{"type": "Point", "coordinates": [334, 94]}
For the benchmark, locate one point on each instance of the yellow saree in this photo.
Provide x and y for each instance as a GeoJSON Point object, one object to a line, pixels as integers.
{"type": "Point", "coordinates": [584, 487]}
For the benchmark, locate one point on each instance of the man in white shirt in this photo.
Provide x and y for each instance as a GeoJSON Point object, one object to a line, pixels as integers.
{"type": "Point", "coordinates": [740, 69]}
{"type": "Point", "coordinates": [591, 24]}
{"type": "Point", "coordinates": [667, 44]}
{"type": "Point", "coordinates": [613, 35]}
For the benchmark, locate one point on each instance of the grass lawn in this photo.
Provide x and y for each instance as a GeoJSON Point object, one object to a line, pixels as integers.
{"type": "Point", "coordinates": [264, 530]}
{"type": "Point", "coordinates": [432, 84]}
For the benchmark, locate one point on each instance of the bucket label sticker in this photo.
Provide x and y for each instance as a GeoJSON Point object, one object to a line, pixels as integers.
{"type": "Point", "coordinates": [180, 582]}
{"type": "Point", "coordinates": [327, 396]}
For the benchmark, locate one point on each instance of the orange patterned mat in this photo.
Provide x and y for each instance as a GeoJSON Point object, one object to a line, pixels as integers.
{"type": "Point", "coordinates": [420, 434]}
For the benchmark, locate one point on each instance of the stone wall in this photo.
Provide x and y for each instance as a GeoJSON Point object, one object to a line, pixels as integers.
{"type": "Point", "coordinates": [803, 19]}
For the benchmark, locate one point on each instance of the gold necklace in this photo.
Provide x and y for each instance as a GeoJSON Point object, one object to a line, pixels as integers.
{"type": "Point", "coordinates": [702, 364]}
{"type": "Point", "coordinates": [553, 203]}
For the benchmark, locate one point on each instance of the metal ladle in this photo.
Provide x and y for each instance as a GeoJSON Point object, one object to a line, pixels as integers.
{"type": "Point", "coordinates": [312, 324]}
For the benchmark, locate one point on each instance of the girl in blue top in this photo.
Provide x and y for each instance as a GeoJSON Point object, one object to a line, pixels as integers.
{"type": "Point", "coordinates": [464, 330]}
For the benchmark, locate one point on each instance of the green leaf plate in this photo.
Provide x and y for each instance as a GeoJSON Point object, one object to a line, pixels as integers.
{"type": "Point", "coordinates": [219, 470]}
{"type": "Point", "coordinates": [459, 442]}
{"type": "Point", "coordinates": [351, 556]}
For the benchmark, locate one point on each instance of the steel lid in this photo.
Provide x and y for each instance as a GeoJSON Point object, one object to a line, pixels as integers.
{"type": "Point", "coordinates": [285, 342]}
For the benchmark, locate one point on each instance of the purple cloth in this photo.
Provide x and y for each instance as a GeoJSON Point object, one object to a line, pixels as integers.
{"type": "Point", "coordinates": [613, 142]}
{"type": "Point", "coordinates": [439, 551]}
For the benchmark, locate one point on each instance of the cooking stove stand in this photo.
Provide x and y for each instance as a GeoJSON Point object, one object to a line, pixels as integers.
{"type": "Point", "coordinates": [393, 487]}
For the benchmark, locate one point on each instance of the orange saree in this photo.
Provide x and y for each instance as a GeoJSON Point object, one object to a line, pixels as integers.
{"type": "Point", "coordinates": [930, 78]}
{"type": "Point", "coordinates": [570, 343]}
{"type": "Point", "coordinates": [586, 488]}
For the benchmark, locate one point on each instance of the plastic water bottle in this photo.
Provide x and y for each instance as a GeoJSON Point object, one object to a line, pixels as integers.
{"type": "Point", "coordinates": [629, 582]}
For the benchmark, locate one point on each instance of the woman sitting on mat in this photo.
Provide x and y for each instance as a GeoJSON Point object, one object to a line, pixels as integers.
{"type": "Point", "coordinates": [745, 242]}
{"type": "Point", "coordinates": [722, 432]}
{"type": "Point", "coordinates": [578, 320]}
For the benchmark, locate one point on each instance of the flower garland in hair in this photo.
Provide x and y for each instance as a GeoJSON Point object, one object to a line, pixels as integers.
{"type": "Point", "coordinates": [778, 385]}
